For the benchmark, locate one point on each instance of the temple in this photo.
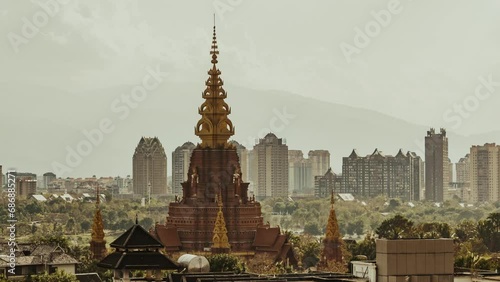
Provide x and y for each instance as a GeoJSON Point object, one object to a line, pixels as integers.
{"type": "Point", "coordinates": [214, 193]}
{"type": "Point", "coordinates": [97, 242]}
{"type": "Point", "coordinates": [136, 249]}
{"type": "Point", "coordinates": [332, 243]}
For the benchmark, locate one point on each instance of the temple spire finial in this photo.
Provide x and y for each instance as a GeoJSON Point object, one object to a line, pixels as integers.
{"type": "Point", "coordinates": [214, 127]}
{"type": "Point", "coordinates": [214, 51]}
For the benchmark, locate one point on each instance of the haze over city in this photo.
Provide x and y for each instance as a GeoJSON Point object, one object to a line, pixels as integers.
{"type": "Point", "coordinates": [252, 140]}
{"type": "Point", "coordinates": [277, 58]}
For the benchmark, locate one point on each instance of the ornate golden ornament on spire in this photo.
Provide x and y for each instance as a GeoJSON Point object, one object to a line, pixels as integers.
{"type": "Point", "coordinates": [220, 239]}
{"type": "Point", "coordinates": [214, 127]}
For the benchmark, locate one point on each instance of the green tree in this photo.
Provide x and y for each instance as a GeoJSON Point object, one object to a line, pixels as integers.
{"type": "Point", "coordinates": [494, 218]}
{"type": "Point", "coordinates": [279, 207]}
{"type": "Point", "coordinates": [146, 222]}
{"type": "Point", "coordinates": [395, 228]}
{"type": "Point", "coordinates": [58, 276]}
{"type": "Point", "coordinates": [224, 262]}
{"type": "Point", "coordinates": [313, 228]}
{"type": "Point", "coordinates": [355, 227]}
{"type": "Point", "coordinates": [56, 239]}
{"type": "Point", "coordinates": [466, 230]}
{"type": "Point", "coordinates": [394, 203]}
{"type": "Point", "coordinates": [34, 207]}
{"type": "Point", "coordinates": [433, 230]}
{"type": "Point", "coordinates": [366, 247]}
{"type": "Point", "coordinates": [291, 207]}
{"type": "Point", "coordinates": [489, 231]}
{"type": "Point", "coordinates": [70, 224]}
{"type": "Point", "coordinates": [310, 249]}
{"type": "Point", "coordinates": [85, 225]}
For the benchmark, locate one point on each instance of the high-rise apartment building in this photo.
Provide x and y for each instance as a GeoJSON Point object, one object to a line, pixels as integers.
{"type": "Point", "coordinates": [377, 174]}
{"type": "Point", "coordinates": [48, 177]}
{"type": "Point", "coordinates": [270, 157]}
{"type": "Point", "coordinates": [25, 184]}
{"type": "Point", "coordinates": [149, 168]}
{"type": "Point", "coordinates": [462, 175]}
{"type": "Point", "coordinates": [450, 171]}
{"type": "Point", "coordinates": [320, 162]}
{"type": "Point", "coordinates": [462, 169]}
{"type": "Point", "coordinates": [485, 173]}
{"type": "Point", "coordinates": [180, 166]}
{"type": "Point", "coordinates": [436, 165]}
{"type": "Point", "coordinates": [300, 175]}
{"type": "Point", "coordinates": [325, 184]}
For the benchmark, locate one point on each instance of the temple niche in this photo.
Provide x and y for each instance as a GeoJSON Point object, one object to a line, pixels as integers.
{"type": "Point", "coordinates": [214, 185]}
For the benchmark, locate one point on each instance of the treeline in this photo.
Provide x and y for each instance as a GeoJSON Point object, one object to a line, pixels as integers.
{"type": "Point", "coordinates": [365, 215]}
{"type": "Point", "coordinates": [75, 218]}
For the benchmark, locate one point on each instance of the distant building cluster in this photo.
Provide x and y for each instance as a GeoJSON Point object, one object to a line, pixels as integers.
{"type": "Point", "coordinates": [398, 176]}
{"type": "Point", "coordinates": [274, 170]}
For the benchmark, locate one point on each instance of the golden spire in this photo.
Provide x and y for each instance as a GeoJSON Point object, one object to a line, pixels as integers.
{"type": "Point", "coordinates": [220, 239]}
{"type": "Point", "coordinates": [214, 127]}
{"type": "Point", "coordinates": [97, 225]}
{"type": "Point", "coordinates": [332, 243]}
{"type": "Point", "coordinates": [332, 228]}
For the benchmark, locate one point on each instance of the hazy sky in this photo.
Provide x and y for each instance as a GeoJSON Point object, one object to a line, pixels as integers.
{"type": "Point", "coordinates": [433, 63]}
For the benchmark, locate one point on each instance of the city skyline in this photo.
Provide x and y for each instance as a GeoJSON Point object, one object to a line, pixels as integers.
{"type": "Point", "coordinates": [121, 45]}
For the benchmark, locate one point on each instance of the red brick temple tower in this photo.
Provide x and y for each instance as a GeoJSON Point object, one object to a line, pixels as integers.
{"type": "Point", "coordinates": [214, 170]}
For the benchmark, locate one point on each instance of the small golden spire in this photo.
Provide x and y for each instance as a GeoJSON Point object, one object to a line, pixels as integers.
{"type": "Point", "coordinates": [97, 225]}
{"type": "Point", "coordinates": [332, 227]}
{"type": "Point", "coordinates": [220, 239]}
{"type": "Point", "coordinates": [332, 243]}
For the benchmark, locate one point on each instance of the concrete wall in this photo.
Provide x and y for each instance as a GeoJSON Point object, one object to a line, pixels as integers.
{"type": "Point", "coordinates": [419, 260]}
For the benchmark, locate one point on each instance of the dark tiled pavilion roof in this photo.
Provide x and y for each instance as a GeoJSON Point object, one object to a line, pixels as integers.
{"type": "Point", "coordinates": [136, 238]}
{"type": "Point", "coordinates": [137, 249]}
